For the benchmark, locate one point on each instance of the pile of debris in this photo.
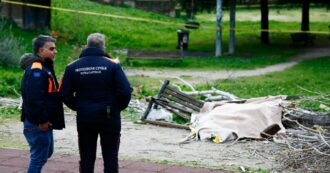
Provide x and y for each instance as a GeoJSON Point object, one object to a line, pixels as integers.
{"type": "Point", "coordinates": [276, 118]}
{"type": "Point", "coordinates": [308, 138]}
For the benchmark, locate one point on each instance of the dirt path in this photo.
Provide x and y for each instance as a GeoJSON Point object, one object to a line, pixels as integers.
{"type": "Point", "coordinates": [206, 76]}
{"type": "Point", "coordinates": [159, 144]}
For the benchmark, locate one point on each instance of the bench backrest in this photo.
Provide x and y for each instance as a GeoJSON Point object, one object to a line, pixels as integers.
{"type": "Point", "coordinates": [160, 54]}
{"type": "Point", "coordinates": [174, 101]}
{"type": "Point", "coordinates": [303, 37]}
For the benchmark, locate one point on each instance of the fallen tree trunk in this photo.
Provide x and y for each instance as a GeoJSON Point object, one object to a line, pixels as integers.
{"type": "Point", "coordinates": [309, 118]}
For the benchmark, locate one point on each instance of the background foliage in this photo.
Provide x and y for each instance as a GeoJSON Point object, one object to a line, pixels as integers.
{"type": "Point", "coordinates": [11, 47]}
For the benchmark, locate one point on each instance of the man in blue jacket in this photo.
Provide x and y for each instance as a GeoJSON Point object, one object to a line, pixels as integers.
{"type": "Point", "coordinates": [97, 88]}
{"type": "Point", "coordinates": [42, 109]}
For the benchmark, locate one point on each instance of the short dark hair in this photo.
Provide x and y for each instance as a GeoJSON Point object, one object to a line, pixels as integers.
{"type": "Point", "coordinates": [40, 41]}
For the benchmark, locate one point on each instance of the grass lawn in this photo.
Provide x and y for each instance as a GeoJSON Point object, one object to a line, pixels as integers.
{"type": "Point", "coordinates": [313, 75]}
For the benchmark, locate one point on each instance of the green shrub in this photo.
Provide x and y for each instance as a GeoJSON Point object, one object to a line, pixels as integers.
{"type": "Point", "coordinates": [10, 82]}
{"type": "Point", "coordinates": [10, 46]}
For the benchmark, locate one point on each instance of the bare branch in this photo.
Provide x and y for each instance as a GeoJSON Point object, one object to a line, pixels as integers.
{"type": "Point", "coordinates": [187, 83]}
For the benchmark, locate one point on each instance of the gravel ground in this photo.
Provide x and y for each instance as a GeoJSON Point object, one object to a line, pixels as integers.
{"type": "Point", "coordinates": [160, 144]}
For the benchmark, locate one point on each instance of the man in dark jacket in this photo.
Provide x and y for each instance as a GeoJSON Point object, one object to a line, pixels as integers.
{"type": "Point", "coordinates": [97, 88]}
{"type": "Point", "coordinates": [42, 109]}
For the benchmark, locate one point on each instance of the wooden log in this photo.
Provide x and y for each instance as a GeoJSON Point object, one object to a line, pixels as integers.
{"type": "Point", "coordinates": [310, 119]}
{"type": "Point", "coordinates": [166, 124]}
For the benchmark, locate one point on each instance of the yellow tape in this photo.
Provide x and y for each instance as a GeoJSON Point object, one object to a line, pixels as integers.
{"type": "Point", "coordinates": [89, 13]}
{"type": "Point", "coordinates": [156, 21]}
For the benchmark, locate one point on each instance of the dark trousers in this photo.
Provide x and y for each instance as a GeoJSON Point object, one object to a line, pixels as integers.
{"type": "Point", "coordinates": [87, 140]}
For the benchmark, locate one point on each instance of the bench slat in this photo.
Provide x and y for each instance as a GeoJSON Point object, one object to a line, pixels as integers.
{"type": "Point", "coordinates": [179, 99]}
{"type": "Point", "coordinates": [185, 97]}
{"type": "Point", "coordinates": [174, 101]}
{"type": "Point", "coordinates": [154, 55]}
{"type": "Point", "coordinates": [301, 37]}
{"type": "Point", "coordinates": [169, 108]}
{"type": "Point", "coordinates": [176, 106]}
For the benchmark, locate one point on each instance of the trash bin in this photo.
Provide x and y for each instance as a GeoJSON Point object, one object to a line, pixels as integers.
{"type": "Point", "coordinates": [183, 37]}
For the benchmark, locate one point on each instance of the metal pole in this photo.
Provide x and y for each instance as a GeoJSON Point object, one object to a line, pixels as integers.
{"type": "Point", "coordinates": [218, 32]}
{"type": "Point", "coordinates": [231, 44]}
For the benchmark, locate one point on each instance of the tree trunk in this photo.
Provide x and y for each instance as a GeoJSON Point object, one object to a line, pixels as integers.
{"type": "Point", "coordinates": [305, 15]}
{"type": "Point", "coordinates": [264, 22]}
{"type": "Point", "coordinates": [306, 119]}
{"type": "Point", "coordinates": [231, 44]}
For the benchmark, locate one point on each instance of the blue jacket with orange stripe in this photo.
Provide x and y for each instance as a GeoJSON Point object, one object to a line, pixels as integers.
{"type": "Point", "coordinates": [41, 98]}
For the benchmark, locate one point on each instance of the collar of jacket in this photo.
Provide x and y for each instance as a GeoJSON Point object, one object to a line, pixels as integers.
{"type": "Point", "coordinates": [93, 51]}
{"type": "Point", "coordinates": [29, 58]}
{"type": "Point", "coordinates": [48, 63]}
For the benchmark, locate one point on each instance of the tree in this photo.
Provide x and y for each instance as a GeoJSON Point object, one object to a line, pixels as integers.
{"type": "Point", "coordinates": [305, 15]}
{"type": "Point", "coordinates": [305, 9]}
{"type": "Point", "coordinates": [264, 21]}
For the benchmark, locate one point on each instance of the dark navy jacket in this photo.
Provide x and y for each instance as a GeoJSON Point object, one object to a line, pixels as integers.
{"type": "Point", "coordinates": [95, 87]}
{"type": "Point", "coordinates": [40, 93]}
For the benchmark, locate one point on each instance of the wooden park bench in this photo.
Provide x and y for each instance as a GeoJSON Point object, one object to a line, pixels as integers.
{"type": "Point", "coordinates": [153, 55]}
{"type": "Point", "coordinates": [174, 101]}
{"type": "Point", "coordinates": [305, 38]}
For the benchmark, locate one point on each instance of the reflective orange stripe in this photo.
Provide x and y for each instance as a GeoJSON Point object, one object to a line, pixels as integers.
{"type": "Point", "coordinates": [59, 87]}
{"type": "Point", "coordinates": [36, 65]}
{"type": "Point", "coordinates": [55, 89]}
{"type": "Point", "coordinates": [50, 85]}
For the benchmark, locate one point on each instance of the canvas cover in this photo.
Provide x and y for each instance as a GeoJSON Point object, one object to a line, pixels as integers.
{"type": "Point", "coordinates": [243, 120]}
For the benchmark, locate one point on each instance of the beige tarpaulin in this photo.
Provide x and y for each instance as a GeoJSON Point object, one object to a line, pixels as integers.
{"type": "Point", "coordinates": [230, 120]}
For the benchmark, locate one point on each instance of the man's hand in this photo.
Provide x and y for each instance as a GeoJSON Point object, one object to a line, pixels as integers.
{"type": "Point", "coordinates": [44, 126]}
